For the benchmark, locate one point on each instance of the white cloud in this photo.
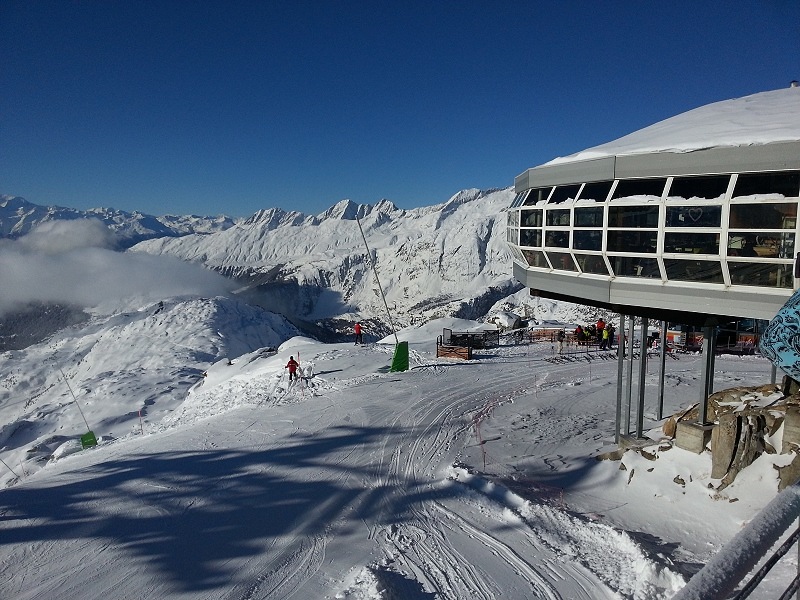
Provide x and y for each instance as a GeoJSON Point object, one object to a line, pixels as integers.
{"type": "Point", "coordinates": [70, 262]}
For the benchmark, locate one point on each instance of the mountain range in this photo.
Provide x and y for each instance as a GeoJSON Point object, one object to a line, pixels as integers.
{"type": "Point", "coordinates": [141, 322]}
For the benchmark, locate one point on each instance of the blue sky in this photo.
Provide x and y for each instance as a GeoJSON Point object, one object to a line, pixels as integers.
{"type": "Point", "coordinates": [229, 107]}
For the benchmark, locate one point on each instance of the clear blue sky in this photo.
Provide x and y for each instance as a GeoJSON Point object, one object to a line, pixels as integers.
{"type": "Point", "coordinates": [229, 107]}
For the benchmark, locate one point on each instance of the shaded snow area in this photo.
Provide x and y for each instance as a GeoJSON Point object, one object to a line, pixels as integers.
{"type": "Point", "coordinates": [452, 480]}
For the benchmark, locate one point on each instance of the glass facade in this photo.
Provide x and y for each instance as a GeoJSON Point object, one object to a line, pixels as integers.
{"type": "Point", "coordinates": [731, 230]}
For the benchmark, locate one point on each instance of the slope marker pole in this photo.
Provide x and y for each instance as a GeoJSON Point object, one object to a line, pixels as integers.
{"type": "Point", "coordinates": [380, 287]}
{"type": "Point", "coordinates": [69, 387]}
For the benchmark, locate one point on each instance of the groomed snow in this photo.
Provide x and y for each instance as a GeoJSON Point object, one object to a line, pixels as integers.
{"type": "Point", "coordinates": [452, 480]}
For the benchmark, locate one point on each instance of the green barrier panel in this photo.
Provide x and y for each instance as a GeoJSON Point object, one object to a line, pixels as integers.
{"type": "Point", "coordinates": [88, 440]}
{"type": "Point", "coordinates": [400, 361]}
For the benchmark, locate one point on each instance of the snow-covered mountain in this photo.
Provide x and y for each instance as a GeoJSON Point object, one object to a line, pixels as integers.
{"type": "Point", "coordinates": [142, 325]}
{"type": "Point", "coordinates": [449, 259]}
{"type": "Point", "coordinates": [19, 217]}
{"type": "Point", "coordinates": [122, 367]}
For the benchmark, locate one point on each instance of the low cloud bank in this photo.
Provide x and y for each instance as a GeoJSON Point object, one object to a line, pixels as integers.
{"type": "Point", "coordinates": [72, 262]}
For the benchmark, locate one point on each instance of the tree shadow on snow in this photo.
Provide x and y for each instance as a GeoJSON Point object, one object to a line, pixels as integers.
{"type": "Point", "coordinates": [187, 515]}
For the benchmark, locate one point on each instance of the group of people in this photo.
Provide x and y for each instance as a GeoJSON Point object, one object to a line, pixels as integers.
{"type": "Point", "coordinates": [599, 332]}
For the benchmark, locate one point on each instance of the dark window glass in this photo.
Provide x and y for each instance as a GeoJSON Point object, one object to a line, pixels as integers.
{"type": "Point", "coordinates": [709, 188]}
{"type": "Point", "coordinates": [761, 274]}
{"type": "Point", "coordinates": [761, 245]}
{"type": "Point", "coordinates": [639, 187]}
{"type": "Point", "coordinates": [692, 243]}
{"type": "Point", "coordinates": [511, 236]}
{"type": "Point", "coordinates": [635, 266]}
{"type": "Point", "coordinates": [562, 261]}
{"type": "Point", "coordinates": [535, 258]}
{"type": "Point", "coordinates": [537, 195]}
{"type": "Point", "coordinates": [530, 237]}
{"type": "Point", "coordinates": [786, 183]}
{"type": "Point", "coordinates": [707, 271]}
{"type": "Point", "coordinates": [632, 241]}
{"type": "Point", "coordinates": [597, 191]}
{"type": "Point", "coordinates": [564, 192]}
{"type": "Point", "coordinates": [558, 217]}
{"type": "Point", "coordinates": [694, 216]}
{"type": "Point", "coordinates": [531, 218]}
{"type": "Point", "coordinates": [587, 239]}
{"type": "Point", "coordinates": [764, 216]}
{"type": "Point", "coordinates": [633, 216]}
{"type": "Point", "coordinates": [558, 239]}
{"type": "Point", "coordinates": [592, 263]}
{"type": "Point", "coordinates": [591, 216]}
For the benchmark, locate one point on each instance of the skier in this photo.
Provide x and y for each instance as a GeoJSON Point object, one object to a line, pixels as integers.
{"type": "Point", "coordinates": [292, 366]}
{"type": "Point", "coordinates": [357, 329]}
{"type": "Point", "coordinates": [561, 336]}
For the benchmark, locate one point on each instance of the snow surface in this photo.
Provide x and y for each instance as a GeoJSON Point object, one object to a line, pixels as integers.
{"type": "Point", "coordinates": [760, 118]}
{"type": "Point", "coordinates": [452, 480]}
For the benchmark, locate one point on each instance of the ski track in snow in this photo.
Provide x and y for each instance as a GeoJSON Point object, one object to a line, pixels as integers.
{"type": "Point", "coordinates": [373, 480]}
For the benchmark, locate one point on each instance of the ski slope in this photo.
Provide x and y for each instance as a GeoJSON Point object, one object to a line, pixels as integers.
{"type": "Point", "coordinates": [452, 480]}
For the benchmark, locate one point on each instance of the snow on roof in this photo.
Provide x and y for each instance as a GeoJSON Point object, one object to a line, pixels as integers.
{"type": "Point", "coordinates": [761, 118]}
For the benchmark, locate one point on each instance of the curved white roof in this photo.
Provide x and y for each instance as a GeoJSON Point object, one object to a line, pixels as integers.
{"type": "Point", "coordinates": [757, 119]}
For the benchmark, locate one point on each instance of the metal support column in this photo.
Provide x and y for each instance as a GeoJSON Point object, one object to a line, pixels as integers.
{"type": "Point", "coordinates": [663, 344]}
{"type": "Point", "coordinates": [620, 368]}
{"type": "Point", "coordinates": [706, 375]}
{"type": "Point", "coordinates": [642, 377]}
{"type": "Point", "coordinates": [630, 377]}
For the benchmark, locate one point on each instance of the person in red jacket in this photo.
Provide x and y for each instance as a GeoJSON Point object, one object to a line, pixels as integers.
{"type": "Point", "coordinates": [292, 366]}
{"type": "Point", "coordinates": [357, 329]}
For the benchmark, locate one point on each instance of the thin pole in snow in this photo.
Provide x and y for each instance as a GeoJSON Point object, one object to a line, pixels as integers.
{"type": "Point", "coordinates": [75, 399]}
{"type": "Point", "coordinates": [9, 468]}
{"type": "Point", "coordinates": [380, 287]}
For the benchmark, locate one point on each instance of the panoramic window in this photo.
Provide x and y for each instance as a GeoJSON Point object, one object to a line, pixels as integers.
{"type": "Point", "coordinates": [513, 218]}
{"type": "Point", "coordinates": [587, 239]}
{"type": "Point", "coordinates": [632, 241]}
{"type": "Point", "coordinates": [563, 193]}
{"type": "Point", "coordinates": [635, 266]}
{"type": "Point", "coordinates": [760, 245]}
{"type": "Point", "coordinates": [694, 216]}
{"type": "Point", "coordinates": [531, 218]}
{"type": "Point", "coordinates": [706, 271]}
{"type": "Point", "coordinates": [781, 215]}
{"type": "Point", "coordinates": [633, 216]}
{"type": "Point", "coordinates": [784, 183]}
{"type": "Point", "coordinates": [511, 236]}
{"type": "Point", "coordinates": [628, 188]}
{"type": "Point", "coordinates": [559, 217]}
{"type": "Point", "coordinates": [761, 274]}
{"type": "Point", "coordinates": [557, 239]}
{"type": "Point", "coordinates": [592, 263]}
{"type": "Point", "coordinates": [536, 258]}
{"type": "Point", "coordinates": [537, 195]}
{"type": "Point", "coordinates": [691, 243]}
{"type": "Point", "coordinates": [597, 191]}
{"type": "Point", "coordinates": [589, 217]}
{"type": "Point", "coordinates": [706, 187]}
{"type": "Point", "coordinates": [519, 199]}
{"type": "Point", "coordinates": [515, 252]}
{"type": "Point", "coordinates": [530, 237]}
{"type": "Point", "coordinates": [562, 261]}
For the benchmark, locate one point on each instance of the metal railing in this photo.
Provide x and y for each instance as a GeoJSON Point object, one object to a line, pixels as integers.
{"type": "Point", "coordinates": [723, 573]}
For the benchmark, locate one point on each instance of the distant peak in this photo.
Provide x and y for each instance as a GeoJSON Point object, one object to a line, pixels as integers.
{"type": "Point", "coordinates": [345, 210]}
